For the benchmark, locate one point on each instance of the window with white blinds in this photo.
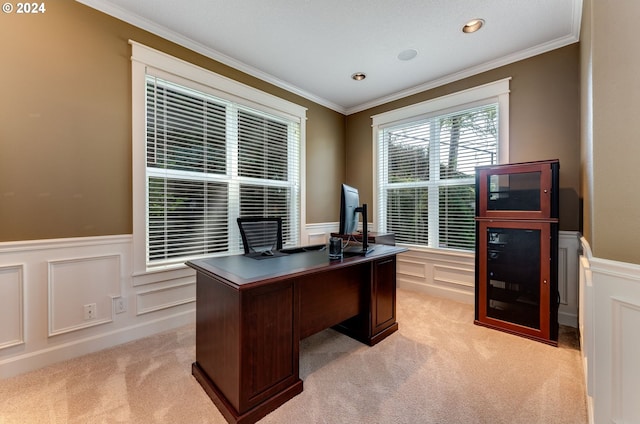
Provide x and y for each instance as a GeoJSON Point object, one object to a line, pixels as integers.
{"type": "Point", "coordinates": [209, 161]}
{"type": "Point", "coordinates": [426, 172]}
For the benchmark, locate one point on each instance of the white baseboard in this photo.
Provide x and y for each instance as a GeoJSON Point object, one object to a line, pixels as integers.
{"type": "Point", "coordinates": [34, 360]}
{"type": "Point", "coordinates": [568, 319]}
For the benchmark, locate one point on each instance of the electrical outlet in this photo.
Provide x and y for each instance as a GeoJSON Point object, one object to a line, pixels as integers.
{"type": "Point", "coordinates": [90, 311]}
{"type": "Point", "coordinates": [120, 305]}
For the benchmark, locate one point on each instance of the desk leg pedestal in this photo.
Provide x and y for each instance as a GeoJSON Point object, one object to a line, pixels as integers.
{"type": "Point", "coordinates": [247, 347]}
{"type": "Point", "coordinates": [379, 318]}
{"type": "Point", "coordinates": [229, 412]}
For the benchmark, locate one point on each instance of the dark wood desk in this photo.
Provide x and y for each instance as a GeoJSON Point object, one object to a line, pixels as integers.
{"type": "Point", "coordinates": [252, 313]}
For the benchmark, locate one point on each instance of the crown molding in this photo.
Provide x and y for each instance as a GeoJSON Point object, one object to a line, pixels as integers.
{"type": "Point", "coordinates": [110, 9]}
{"type": "Point", "coordinates": [469, 72]}
{"type": "Point", "coordinates": [117, 12]}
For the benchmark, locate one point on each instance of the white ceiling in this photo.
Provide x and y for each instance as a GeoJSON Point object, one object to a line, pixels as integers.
{"type": "Point", "coordinates": [312, 47]}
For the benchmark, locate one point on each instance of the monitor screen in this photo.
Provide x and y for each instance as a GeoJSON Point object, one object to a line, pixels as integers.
{"type": "Point", "coordinates": [349, 203]}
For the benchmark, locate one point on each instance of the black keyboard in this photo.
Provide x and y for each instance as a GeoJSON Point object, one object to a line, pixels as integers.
{"type": "Point", "coordinates": [301, 249]}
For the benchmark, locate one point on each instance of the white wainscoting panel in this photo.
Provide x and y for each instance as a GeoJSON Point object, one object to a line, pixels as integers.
{"type": "Point", "coordinates": [44, 285]}
{"type": "Point", "coordinates": [411, 268]}
{"type": "Point", "coordinates": [626, 361]}
{"type": "Point", "coordinates": [585, 322]}
{"type": "Point", "coordinates": [451, 274]}
{"type": "Point", "coordinates": [563, 293]}
{"type": "Point", "coordinates": [162, 276]}
{"type": "Point", "coordinates": [318, 233]}
{"type": "Point", "coordinates": [74, 283]}
{"type": "Point", "coordinates": [568, 252]}
{"type": "Point", "coordinates": [11, 306]}
{"type": "Point", "coordinates": [165, 297]}
{"type": "Point", "coordinates": [438, 273]}
{"type": "Point", "coordinates": [454, 277]}
{"type": "Point", "coordinates": [616, 349]}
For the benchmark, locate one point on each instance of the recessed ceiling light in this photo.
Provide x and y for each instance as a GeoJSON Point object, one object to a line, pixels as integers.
{"type": "Point", "coordinates": [408, 54]}
{"type": "Point", "coordinates": [359, 76]}
{"type": "Point", "coordinates": [473, 25]}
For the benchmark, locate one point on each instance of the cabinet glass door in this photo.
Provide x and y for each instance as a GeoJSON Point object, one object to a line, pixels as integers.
{"type": "Point", "coordinates": [513, 275]}
{"type": "Point", "coordinates": [518, 191]}
{"type": "Point", "coordinates": [508, 192]}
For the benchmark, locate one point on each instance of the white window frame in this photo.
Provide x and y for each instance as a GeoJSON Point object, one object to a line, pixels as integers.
{"type": "Point", "coordinates": [494, 92]}
{"type": "Point", "coordinates": [145, 60]}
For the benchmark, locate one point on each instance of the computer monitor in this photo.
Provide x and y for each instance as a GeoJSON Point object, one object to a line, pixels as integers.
{"type": "Point", "coordinates": [350, 210]}
{"type": "Point", "coordinates": [349, 203]}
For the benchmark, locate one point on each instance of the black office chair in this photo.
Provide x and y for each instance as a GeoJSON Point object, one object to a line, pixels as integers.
{"type": "Point", "coordinates": [261, 235]}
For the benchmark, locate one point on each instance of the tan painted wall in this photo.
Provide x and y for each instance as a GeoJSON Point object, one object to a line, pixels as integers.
{"type": "Point", "coordinates": [325, 167]}
{"type": "Point", "coordinates": [544, 123]}
{"type": "Point", "coordinates": [65, 125]}
{"type": "Point", "coordinates": [611, 135]}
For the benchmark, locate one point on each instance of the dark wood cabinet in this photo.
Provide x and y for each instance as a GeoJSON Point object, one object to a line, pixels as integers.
{"type": "Point", "coordinates": [518, 191]}
{"type": "Point", "coordinates": [517, 249]}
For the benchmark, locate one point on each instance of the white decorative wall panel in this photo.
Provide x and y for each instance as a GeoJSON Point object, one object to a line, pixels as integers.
{"type": "Point", "coordinates": [410, 268]}
{"type": "Point", "coordinates": [42, 293]}
{"type": "Point", "coordinates": [163, 276]}
{"type": "Point", "coordinates": [562, 276]}
{"type": "Point", "coordinates": [451, 274]}
{"type": "Point", "coordinates": [626, 361]}
{"type": "Point", "coordinates": [11, 306]}
{"type": "Point", "coordinates": [316, 238]}
{"type": "Point", "coordinates": [77, 282]}
{"type": "Point", "coordinates": [44, 285]}
{"type": "Point", "coordinates": [568, 248]}
{"type": "Point", "coordinates": [611, 348]}
{"type": "Point", "coordinates": [585, 322]}
{"type": "Point", "coordinates": [454, 276]}
{"type": "Point", "coordinates": [165, 297]}
{"type": "Point", "coordinates": [438, 273]}
{"type": "Point", "coordinates": [318, 233]}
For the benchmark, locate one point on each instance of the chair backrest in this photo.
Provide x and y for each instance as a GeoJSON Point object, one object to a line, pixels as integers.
{"type": "Point", "coordinates": [260, 234]}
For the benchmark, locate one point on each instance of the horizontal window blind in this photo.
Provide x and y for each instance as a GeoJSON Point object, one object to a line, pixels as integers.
{"type": "Point", "coordinates": [262, 147]}
{"type": "Point", "coordinates": [209, 161]}
{"type": "Point", "coordinates": [186, 218]}
{"type": "Point", "coordinates": [427, 175]}
{"type": "Point", "coordinates": [185, 129]}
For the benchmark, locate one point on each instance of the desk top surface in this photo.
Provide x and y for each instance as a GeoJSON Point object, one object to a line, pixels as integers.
{"type": "Point", "coordinates": [242, 271]}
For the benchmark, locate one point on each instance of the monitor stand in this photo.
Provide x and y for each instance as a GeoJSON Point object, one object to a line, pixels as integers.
{"type": "Point", "coordinates": [357, 251]}
{"type": "Point", "coordinates": [365, 233]}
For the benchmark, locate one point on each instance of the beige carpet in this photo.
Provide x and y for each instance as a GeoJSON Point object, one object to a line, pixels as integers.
{"type": "Point", "coordinates": [438, 368]}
